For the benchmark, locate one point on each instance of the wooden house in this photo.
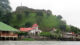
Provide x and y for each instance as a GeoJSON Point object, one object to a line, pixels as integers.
{"type": "Point", "coordinates": [7, 32]}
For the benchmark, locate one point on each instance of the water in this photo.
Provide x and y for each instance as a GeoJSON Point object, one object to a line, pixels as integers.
{"type": "Point", "coordinates": [39, 43]}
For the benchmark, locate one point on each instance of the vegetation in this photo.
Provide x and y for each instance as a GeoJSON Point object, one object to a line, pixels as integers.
{"type": "Point", "coordinates": [22, 33]}
{"type": "Point", "coordinates": [75, 29]}
{"type": "Point", "coordinates": [23, 17]}
{"type": "Point", "coordinates": [28, 39]}
{"type": "Point", "coordinates": [57, 34]}
{"type": "Point", "coordinates": [4, 8]}
{"type": "Point", "coordinates": [46, 34]}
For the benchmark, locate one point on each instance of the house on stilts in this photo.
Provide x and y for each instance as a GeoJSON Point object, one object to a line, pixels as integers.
{"type": "Point", "coordinates": [7, 32]}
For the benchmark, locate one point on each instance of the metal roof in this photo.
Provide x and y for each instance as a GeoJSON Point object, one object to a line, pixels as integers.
{"type": "Point", "coordinates": [5, 27]}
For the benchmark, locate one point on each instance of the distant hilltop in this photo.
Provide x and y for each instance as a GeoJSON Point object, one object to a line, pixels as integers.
{"type": "Point", "coordinates": [24, 8]}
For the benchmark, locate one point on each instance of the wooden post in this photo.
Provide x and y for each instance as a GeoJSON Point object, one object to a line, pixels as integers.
{"type": "Point", "coordinates": [1, 35]}
{"type": "Point", "coordinates": [9, 38]}
{"type": "Point", "coordinates": [12, 38]}
{"type": "Point", "coordinates": [4, 38]}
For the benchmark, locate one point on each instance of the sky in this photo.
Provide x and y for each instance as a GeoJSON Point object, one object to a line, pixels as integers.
{"type": "Point", "coordinates": [68, 9]}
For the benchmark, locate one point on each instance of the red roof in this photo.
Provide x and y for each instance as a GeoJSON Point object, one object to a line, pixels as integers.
{"type": "Point", "coordinates": [25, 29]}
{"type": "Point", "coordinates": [28, 29]}
{"type": "Point", "coordinates": [34, 25]}
{"type": "Point", "coordinates": [73, 33]}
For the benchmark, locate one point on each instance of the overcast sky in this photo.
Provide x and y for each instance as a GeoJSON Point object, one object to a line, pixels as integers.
{"type": "Point", "coordinates": [69, 9]}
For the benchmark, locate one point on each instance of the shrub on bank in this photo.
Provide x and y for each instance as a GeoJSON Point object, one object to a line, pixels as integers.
{"type": "Point", "coordinates": [28, 39]}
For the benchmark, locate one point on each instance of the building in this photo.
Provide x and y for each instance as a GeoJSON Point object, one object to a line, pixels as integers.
{"type": "Point", "coordinates": [53, 30]}
{"type": "Point", "coordinates": [7, 32]}
{"type": "Point", "coordinates": [34, 30]}
{"type": "Point", "coordinates": [69, 35]}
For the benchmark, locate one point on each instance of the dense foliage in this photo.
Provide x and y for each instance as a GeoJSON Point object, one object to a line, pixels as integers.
{"type": "Point", "coordinates": [75, 29]}
{"type": "Point", "coordinates": [46, 34]}
{"type": "Point", "coordinates": [4, 7]}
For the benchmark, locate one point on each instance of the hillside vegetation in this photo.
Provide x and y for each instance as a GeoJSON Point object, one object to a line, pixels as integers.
{"type": "Point", "coordinates": [26, 17]}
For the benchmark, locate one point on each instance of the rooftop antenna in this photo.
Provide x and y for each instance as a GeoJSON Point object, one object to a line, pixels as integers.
{"type": "Point", "coordinates": [21, 6]}
{"type": "Point", "coordinates": [21, 2]}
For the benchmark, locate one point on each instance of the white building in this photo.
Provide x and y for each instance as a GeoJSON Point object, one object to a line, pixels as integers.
{"type": "Point", "coordinates": [34, 30]}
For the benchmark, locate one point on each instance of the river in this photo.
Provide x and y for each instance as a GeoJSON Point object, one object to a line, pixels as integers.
{"type": "Point", "coordinates": [39, 43]}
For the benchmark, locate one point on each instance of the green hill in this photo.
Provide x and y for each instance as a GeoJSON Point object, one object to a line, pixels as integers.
{"type": "Point", "coordinates": [26, 17]}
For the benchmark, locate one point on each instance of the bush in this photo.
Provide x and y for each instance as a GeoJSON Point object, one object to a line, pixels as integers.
{"type": "Point", "coordinates": [22, 33]}
{"type": "Point", "coordinates": [28, 39]}
{"type": "Point", "coordinates": [47, 34]}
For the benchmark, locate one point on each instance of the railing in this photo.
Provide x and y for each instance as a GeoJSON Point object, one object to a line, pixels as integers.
{"type": "Point", "coordinates": [8, 35]}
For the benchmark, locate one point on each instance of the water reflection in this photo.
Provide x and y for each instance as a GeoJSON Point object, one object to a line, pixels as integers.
{"type": "Point", "coordinates": [39, 43]}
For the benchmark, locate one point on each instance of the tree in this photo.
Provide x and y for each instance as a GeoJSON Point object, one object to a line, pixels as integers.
{"type": "Point", "coordinates": [4, 6]}
{"type": "Point", "coordinates": [4, 9]}
{"type": "Point", "coordinates": [75, 29]}
{"type": "Point", "coordinates": [56, 34]}
{"type": "Point", "coordinates": [68, 28]}
{"type": "Point", "coordinates": [62, 25]}
{"type": "Point", "coordinates": [59, 17]}
{"type": "Point", "coordinates": [49, 12]}
{"type": "Point", "coordinates": [6, 18]}
{"type": "Point", "coordinates": [39, 15]}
